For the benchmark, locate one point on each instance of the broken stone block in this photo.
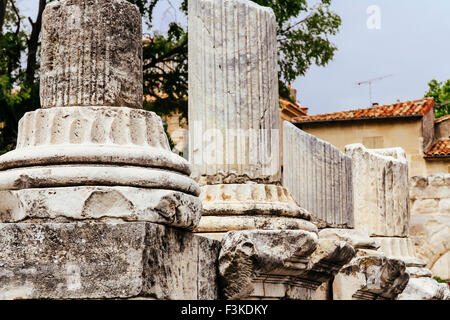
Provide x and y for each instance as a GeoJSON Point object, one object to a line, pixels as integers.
{"type": "Point", "coordinates": [370, 277]}
{"type": "Point", "coordinates": [380, 190]}
{"type": "Point", "coordinates": [356, 238]}
{"type": "Point", "coordinates": [91, 54]}
{"type": "Point", "coordinates": [234, 119]}
{"type": "Point", "coordinates": [319, 177]}
{"type": "Point", "coordinates": [105, 261]}
{"type": "Point", "coordinates": [87, 203]}
{"type": "Point", "coordinates": [400, 248]}
{"type": "Point", "coordinates": [425, 289]}
{"type": "Point", "coordinates": [282, 264]}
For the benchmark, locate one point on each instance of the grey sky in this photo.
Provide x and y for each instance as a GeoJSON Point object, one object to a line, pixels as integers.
{"type": "Point", "coordinates": [412, 44]}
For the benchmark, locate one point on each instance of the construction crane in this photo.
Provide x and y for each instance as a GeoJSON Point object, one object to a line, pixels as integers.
{"type": "Point", "coordinates": [369, 82]}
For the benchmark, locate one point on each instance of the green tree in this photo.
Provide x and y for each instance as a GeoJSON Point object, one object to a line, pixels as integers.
{"type": "Point", "coordinates": [19, 85]}
{"type": "Point", "coordinates": [440, 92]}
{"type": "Point", "coordinates": [303, 36]}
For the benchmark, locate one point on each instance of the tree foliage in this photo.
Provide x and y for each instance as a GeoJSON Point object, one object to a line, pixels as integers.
{"type": "Point", "coordinates": [440, 92]}
{"type": "Point", "coordinates": [19, 85]}
{"type": "Point", "coordinates": [303, 35]}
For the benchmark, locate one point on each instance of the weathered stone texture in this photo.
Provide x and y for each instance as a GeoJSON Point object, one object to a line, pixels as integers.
{"type": "Point", "coordinates": [91, 54]}
{"type": "Point", "coordinates": [248, 199]}
{"type": "Point", "coordinates": [86, 203]}
{"type": "Point", "coordinates": [400, 248]}
{"type": "Point", "coordinates": [269, 264]}
{"type": "Point", "coordinates": [430, 221]}
{"type": "Point", "coordinates": [380, 189]}
{"type": "Point", "coordinates": [233, 92]}
{"type": "Point", "coordinates": [105, 260]}
{"type": "Point", "coordinates": [370, 277]}
{"type": "Point", "coordinates": [319, 177]}
{"type": "Point", "coordinates": [425, 289]}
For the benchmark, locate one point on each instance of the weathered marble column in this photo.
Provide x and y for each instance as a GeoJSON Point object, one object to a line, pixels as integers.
{"type": "Point", "coordinates": [234, 146]}
{"type": "Point", "coordinates": [380, 189]}
{"type": "Point", "coordinates": [234, 120]}
{"type": "Point", "coordinates": [319, 177]}
{"type": "Point", "coordinates": [381, 195]}
{"type": "Point", "coordinates": [89, 196]}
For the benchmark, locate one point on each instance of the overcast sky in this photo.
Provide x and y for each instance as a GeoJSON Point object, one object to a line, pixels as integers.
{"type": "Point", "coordinates": [406, 38]}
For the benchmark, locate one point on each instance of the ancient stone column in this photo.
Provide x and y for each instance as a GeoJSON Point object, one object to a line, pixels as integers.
{"type": "Point", "coordinates": [319, 177]}
{"type": "Point", "coordinates": [380, 189]}
{"type": "Point", "coordinates": [89, 196]}
{"type": "Point", "coordinates": [234, 146]}
{"type": "Point", "coordinates": [381, 207]}
{"type": "Point", "coordinates": [234, 120]}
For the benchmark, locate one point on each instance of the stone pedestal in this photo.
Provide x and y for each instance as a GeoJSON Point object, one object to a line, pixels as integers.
{"type": "Point", "coordinates": [90, 196]}
{"type": "Point", "coordinates": [105, 261]}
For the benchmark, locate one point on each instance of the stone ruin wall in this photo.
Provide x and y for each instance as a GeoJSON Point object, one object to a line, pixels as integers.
{"type": "Point", "coordinates": [430, 221]}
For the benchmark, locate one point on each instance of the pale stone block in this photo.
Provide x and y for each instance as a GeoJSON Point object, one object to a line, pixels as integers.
{"type": "Point", "coordinates": [444, 206]}
{"type": "Point", "coordinates": [234, 119]}
{"type": "Point", "coordinates": [380, 190]}
{"type": "Point", "coordinates": [400, 248]}
{"type": "Point", "coordinates": [105, 261]}
{"type": "Point", "coordinates": [441, 268]}
{"type": "Point", "coordinates": [431, 236]}
{"type": "Point", "coordinates": [319, 177]}
{"type": "Point", "coordinates": [91, 54]}
{"type": "Point", "coordinates": [93, 202]}
{"type": "Point", "coordinates": [223, 224]}
{"type": "Point", "coordinates": [425, 206]}
{"type": "Point", "coordinates": [370, 277]}
{"type": "Point", "coordinates": [355, 238]}
{"type": "Point", "coordinates": [290, 264]}
{"type": "Point", "coordinates": [425, 289]}
{"type": "Point", "coordinates": [249, 199]}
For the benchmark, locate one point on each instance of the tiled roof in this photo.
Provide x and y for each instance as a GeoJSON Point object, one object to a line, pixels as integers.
{"type": "Point", "coordinates": [396, 110]}
{"type": "Point", "coordinates": [443, 118]}
{"type": "Point", "coordinates": [440, 149]}
{"type": "Point", "coordinates": [287, 103]}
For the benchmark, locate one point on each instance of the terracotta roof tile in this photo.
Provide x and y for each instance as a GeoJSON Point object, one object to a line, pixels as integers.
{"type": "Point", "coordinates": [440, 149]}
{"type": "Point", "coordinates": [397, 110]}
{"type": "Point", "coordinates": [442, 119]}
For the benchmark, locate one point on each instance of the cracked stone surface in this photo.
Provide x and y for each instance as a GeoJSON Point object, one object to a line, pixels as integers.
{"type": "Point", "coordinates": [105, 261]}
{"type": "Point", "coordinates": [370, 277]}
{"type": "Point", "coordinates": [91, 54]}
{"type": "Point", "coordinates": [99, 202]}
{"type": "Point", "coordinates": [380, 190]}
{"type": "Point", "coordinates": [233, 69]}
{"type": "Point", "coordinates": [319, 177]}
{"type": "Point", "coordinates": [281, 264]}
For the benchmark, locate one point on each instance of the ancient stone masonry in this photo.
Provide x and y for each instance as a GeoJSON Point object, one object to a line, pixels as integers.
{"type": "Point", "coordinates": [277, 264]}
{"type": "Point", "coordinates": [93, 175]}
{"type": "Point", "coordinates": [92, 54]}
{"type": "Point", "coordinates": [381, 195]}
{"type": "Point", "coordinates": [234, 120]}
{"type": "Point", "coordinates": [319, 177]}
{"type": "Point", "coordinates": [380, 189]}
{"type": "Point", "coordinates": [269, 248]}
{"type": "Point", "coordinates": [430, 221]}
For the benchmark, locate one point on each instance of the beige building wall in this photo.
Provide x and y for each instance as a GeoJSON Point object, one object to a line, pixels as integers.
{"type": "Point", "coordinates": [406, 134]}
